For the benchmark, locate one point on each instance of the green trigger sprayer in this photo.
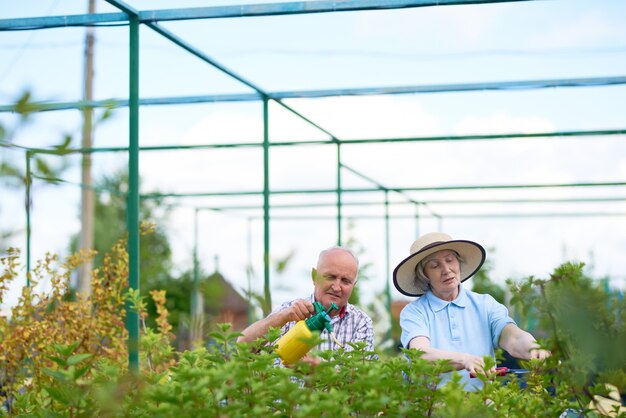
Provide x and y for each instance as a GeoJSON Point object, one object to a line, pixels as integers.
{"type": "Point", "coordinates": [296, 342]}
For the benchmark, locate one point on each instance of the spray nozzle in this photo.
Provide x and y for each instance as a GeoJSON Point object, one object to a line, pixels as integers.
{"type": "Point", "coordinates": [321, 319]}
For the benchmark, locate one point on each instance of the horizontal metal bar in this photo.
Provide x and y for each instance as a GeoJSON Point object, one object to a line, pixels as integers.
{"type": "Point", "coordinates": [566, 134]}
{"type": "Point", "coordinates": [428, 202]}
{"type": "Point", "coordinates": [369, 190]}
{"type": "Point", "coordinates": [312, 94]}
{"type": "Point", "coordinates": [449, 88]}
{"type": "Point", "coordinates": [306, 7]}
{"type": "Point", "coordinates": [44, 22]}
{"type": "Point", "coordinates": [222, 12]}
{"type": "Point", "coordinates": [452, 216]}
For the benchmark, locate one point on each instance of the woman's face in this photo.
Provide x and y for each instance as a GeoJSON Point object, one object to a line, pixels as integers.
{"type": "Point", "coordinates": [444, 272]}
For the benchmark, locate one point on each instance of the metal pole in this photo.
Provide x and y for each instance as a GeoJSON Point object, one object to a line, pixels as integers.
{"type": "Point", "coordinates": [417, 221]}
{"type": "Point", "coordinates": [28, 180]}
{"type": "Point", "coordinates": [194, 293]}
{"type": "Point", "coordinates": [266, 209]}
{"type": "Point", "coordinates": [249, 268]}
{"type": "Point", "coordinates": [339, 238]}
{"type": "Point", "coordinates": [388, 265]}
{"type": "Point", "coordinates": [132, 317]}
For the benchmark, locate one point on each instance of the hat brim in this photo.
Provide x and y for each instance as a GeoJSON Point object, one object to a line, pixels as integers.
{"type": "Point", "coordinates": [404, 274]}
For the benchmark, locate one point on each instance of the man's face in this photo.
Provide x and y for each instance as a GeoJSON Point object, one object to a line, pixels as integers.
{"type": "Point", "coordinates": [335, 278]}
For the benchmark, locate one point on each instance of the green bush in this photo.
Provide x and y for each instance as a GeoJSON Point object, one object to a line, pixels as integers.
{"type": "Point", "coordinates": [86, 375]}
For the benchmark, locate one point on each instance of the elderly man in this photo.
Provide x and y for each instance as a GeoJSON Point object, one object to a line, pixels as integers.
{"type": "Point", "coordinates": [333, 282]}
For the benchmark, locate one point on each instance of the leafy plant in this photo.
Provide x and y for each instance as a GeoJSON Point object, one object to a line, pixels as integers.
{"type": "Point", "coordinates": [68, 358]}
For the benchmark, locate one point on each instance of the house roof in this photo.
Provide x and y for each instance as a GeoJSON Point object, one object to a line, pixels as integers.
{"type": "Point", "coordinates": [220, 294]}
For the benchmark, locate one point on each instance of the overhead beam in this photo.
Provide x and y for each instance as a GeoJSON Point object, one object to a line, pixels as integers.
{"type": "Point", "coordinates": [224, 12]}
{"type": "Point", "coordinates": [557, 134]}
{"type": "Point", "coordinates": [312, 94]}
{"type": "Point", "coordinates": [376, 189]}
{"type": "Point", "coordinates": [303, 7]}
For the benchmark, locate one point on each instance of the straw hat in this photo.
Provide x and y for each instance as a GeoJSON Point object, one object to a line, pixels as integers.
{"type": "Point", "coordinates": [404, 274]}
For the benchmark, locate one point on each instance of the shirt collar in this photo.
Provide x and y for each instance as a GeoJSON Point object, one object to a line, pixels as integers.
{"type": "Point", "coordinates": [437, 304]}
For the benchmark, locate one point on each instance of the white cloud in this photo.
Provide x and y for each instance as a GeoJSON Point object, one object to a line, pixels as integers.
{"type": "Point", "coordinates": [469, 24]}
{"type": "Point", "coordinates": [585, 29]}
{"type": "Point", "coordinates": [501, 122]}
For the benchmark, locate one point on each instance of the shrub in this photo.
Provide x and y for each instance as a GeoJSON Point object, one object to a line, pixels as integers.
{"type": "Point", "coordinates": [68, 358]}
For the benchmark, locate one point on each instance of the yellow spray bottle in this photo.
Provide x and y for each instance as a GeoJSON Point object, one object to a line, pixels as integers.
{"type": "Point", "coordinates": [296, 342]}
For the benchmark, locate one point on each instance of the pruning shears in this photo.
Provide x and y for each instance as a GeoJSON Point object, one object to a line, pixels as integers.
{"type": "Point", "coordinates": [502, 371]}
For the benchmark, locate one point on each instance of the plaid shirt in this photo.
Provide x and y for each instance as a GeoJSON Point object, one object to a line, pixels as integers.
{"type": "Point", "coordinates": [352, 325]}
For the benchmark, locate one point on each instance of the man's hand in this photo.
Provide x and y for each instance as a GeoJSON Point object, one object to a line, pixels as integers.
{"type": "Point", "coordinates": [301, 309]}
{"type": "Point", "coordinates": [311, 359]}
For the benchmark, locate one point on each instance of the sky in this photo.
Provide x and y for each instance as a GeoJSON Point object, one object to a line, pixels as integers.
{"type": "Point", "coordinates": [534, 40]}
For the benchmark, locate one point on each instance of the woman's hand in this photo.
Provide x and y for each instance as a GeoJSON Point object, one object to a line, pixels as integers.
{"type": "Point", "coordinates": [475, 365]}
{"type": "Point", "coordinates": [539, 353]}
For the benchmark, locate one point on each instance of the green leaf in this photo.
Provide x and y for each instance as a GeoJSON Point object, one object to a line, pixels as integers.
{"type": "Point", "coordinates": [77, 358]}
{"type": "Point", "coordinates": [9, 170]}
{"type": "Point", "coordinates": [66, 350]}
{"type": "Point", "coordinates": [233, 335]}
{"type": "Point", "coordinates": [58, 360]}
{"type": "Point", "coordinates": [105, 115]}
{"type": "Point", "coordinates": [58, 375]}
{"type": "Point", "coordinates": [81, 372]}
{"type": "Point", "coordinates": [42, 167]}
{"type": "Point", "coordinates": [63, 148]}
{"type": "Point", "coordinates": [58, 395]}
{"type": "Point", "coordinates": [217, 336]}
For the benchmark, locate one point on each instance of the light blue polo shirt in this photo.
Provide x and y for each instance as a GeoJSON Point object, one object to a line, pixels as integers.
{"type": "Point", "coordinates": [472, 323]}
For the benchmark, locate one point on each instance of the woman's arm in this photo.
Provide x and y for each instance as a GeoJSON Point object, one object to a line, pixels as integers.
{"type": "Point", "coordinates": [461, 361]}
{"type": "Point", "coordinates": [521, 344]}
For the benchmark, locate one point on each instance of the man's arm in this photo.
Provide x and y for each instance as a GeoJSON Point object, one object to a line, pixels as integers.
{"type": "Point", "coordinates": [521, 344]}
{"type": "Point", "coordinates": [299, 310]}
{"type": "Point", "coordinates": [461, 361]}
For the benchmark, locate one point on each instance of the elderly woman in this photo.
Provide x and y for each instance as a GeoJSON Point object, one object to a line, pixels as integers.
{"type": "Point", "coordinates": [449, 321]}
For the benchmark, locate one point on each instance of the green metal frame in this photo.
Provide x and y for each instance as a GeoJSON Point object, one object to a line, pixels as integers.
{"type": "Point", "coordinates": [150, 19]}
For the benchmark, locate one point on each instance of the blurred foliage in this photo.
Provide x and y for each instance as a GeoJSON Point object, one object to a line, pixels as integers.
{"type": "Point", "coordinates": [155, 253]}
{"type": "Point", "coordinates": [46, 164]}
{"type": "Point", "coordinates": [68, 358]}
{"type": "Point", "coordinates": [481, 282]}
{"type": "Point", "coordinates": [584, 324]}
{"type": "Point", "coordinates": [279, 265]}
{"type": "Point", "coordinates": [364, 268]}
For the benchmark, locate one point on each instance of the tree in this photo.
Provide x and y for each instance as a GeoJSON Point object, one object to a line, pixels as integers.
{"type": "Point", "coordinates": [15, 176]}
{"type": "Point", "coordinates": [482, 283]}
{"type": "Point", "coordinates": [110, 225]}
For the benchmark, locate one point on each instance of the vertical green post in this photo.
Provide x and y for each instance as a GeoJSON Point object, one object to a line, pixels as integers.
{"type": "Point", "coordinates": [339, 238]}
{"type": "Point", "coordinates": [132, 211]}
{"type": "Point", "coordinates": [266, 208]}
{"type": "Point", "coordinates": [417, 221]}
{"type": "Point", "coordinates": [196, 273]}
{"type": "Point", "coordinates": [387, 265]}
{"type": "Point", "coordinates": [249, 269]}
{"type": "Point", "coordinates": [27, 202]}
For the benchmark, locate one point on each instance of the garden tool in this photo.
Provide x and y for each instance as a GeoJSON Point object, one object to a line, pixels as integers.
{"type": "Point", "coordinates": [299, 340]}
